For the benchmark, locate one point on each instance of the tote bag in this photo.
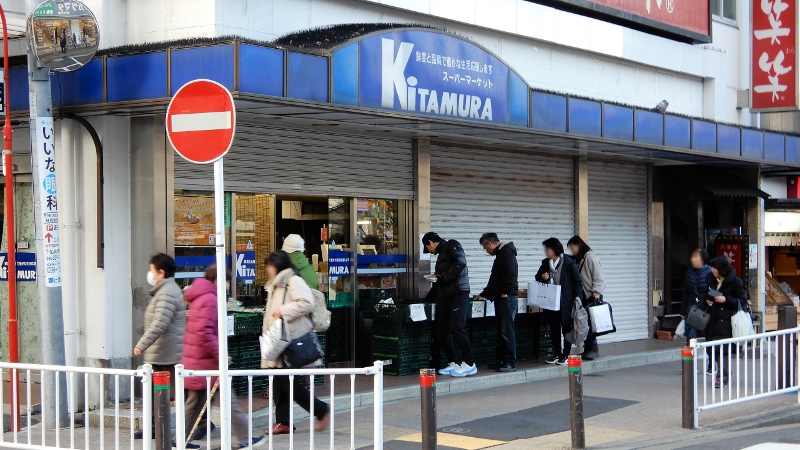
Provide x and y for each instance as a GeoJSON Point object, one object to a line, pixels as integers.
{"type": "Point", "coordinates": [741, 324]}
{"type": "Point", "coordinates": [602, 318]}
{"type": "Point", "coordinates": [274, 341]}
{"type": "Point", "coordinates": [545, 296]}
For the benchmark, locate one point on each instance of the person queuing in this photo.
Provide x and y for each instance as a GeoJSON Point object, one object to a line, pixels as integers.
{"type": "Point", "coordinates": [164, 322]}
{"type": "Point", "coordinates": [695, 289]}
{"type": "Point", "coordinates": [594, 284]}
{"type": "Point", "coordinates": [451, 293]}
{"type": "Point", "coordinates": [295, 246]}
{"type": "Point", "coordinates": [559, 269]}
{"type": "Point", "coordinates": [503, 290]}
{"type": "Point", "coordinates": [723, 279]}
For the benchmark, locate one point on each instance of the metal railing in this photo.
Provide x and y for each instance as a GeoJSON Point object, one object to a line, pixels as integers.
{"type": "Point", "coordinates": [752, 368]}
{"type": "Point", "coordinates": [376, 371]}
{"type": "Point", "coordinates": [61, 412]}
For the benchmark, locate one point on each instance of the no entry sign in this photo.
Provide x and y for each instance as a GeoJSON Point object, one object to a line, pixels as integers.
{"type": "Point", "coordinates": [201, 120]}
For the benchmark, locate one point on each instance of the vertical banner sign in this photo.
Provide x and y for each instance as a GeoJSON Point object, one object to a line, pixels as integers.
{"type": "Point", "coordinates": [774, 55]}
{"type": "Point", "coordinates": [46, 159]}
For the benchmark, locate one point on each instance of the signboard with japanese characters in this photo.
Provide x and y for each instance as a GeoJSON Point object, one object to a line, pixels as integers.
{"type": "Point", "coordinates": [246, 266]}
{"type": "Point", "coordinates": [774, 56]}
{"type": "Point", "coordinates": [736, 249]}
{"type": "Point", "coordinates": [194, 221]}
{"type": "Point", "coordinates": [26, 266]}
{"type": "Point", "coordinates": [48, 201]}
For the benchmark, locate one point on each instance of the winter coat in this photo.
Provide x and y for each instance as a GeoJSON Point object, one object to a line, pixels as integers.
{"type": "Point", "coordinates": [292, 296]}
{"type": "Point", "coordinates": [200, 343]}
{"type": "Point", "coordinates": [592, 275]}
{"type": "Point", "coordinates": [505, 270]}
{"type": "Point", "coordinates": [694, 288]}
{"type": "Point", "coordinates": [719, 327]}
{"type": "Point", "coordinates": [451, 270]}
{"type": "Point", "coordinates": [306, 270]}
{"type": "Point", "coordinates": [164, 325]}
{"type": "Point", "coordinates": [571, 286]}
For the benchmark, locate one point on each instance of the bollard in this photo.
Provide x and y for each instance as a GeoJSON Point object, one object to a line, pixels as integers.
{"type": "Point", "coordinates": [163, 428]}
{"type": "Point", "coordinates": [576, 402]}
{"type": "Point", "coordinates": [427, 387]}
{"type": "Point", "coordinates": [687, 372]}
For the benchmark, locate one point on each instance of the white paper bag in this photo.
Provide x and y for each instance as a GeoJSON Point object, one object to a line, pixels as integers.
{"type": "Point", "coordinates": [545, 296]}
{"type": "Point", "coordinates": [602, 319]}
{"type": "Point", "coordinates": [274, 341]}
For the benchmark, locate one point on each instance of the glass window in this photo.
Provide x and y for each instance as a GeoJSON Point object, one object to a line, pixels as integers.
{"type": "Point", "coordinates": [724, 8]}
{"type": "Point", "coordinates": [194, 235]}
{"type": "Point", "coordinates": [254, 242]}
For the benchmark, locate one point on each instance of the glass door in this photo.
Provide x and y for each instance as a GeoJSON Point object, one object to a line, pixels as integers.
{"type": "Point", "coordinates": [337, 282]}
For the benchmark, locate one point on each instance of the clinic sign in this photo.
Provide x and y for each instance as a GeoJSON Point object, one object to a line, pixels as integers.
{"type": "Point", "coordinates": [435, 74]}
{"type": "Point", "coordinates": [774, 56]}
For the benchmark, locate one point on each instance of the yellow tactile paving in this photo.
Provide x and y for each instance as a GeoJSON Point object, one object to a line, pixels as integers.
{"type": "Point", "coordinates": [454, 440]}
{"type": "Point", "coordinates": [366, 430]}
{"type": "Point", "coordinates": [558, 441]}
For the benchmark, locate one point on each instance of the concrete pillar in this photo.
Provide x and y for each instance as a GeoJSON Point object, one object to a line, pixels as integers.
{"type": "Point", "coordinates": [582, 197]}
{"type": "Point", "coordinates": [422, 157]}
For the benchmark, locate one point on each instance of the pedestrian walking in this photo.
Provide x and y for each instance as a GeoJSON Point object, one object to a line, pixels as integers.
{"type": "Point", "coordinates": [74, 41]}
{"type": "Point", "coordinates": [722, 307]}
{"type": "Point", "coordinates": [451, 293]}
{"type": "Point", "coordinates": [63, 42]}
{"type": "Point", "coordinates": [695, 290]}
{"type": "Point", "coordinates": [503, 290]}
{"type": "Point", "coordinates": [295, 246]}
{"type": "Point", "coordinates": [594, 283]}
{"type": "Point", "coordinates": [559, 269]}
{"type": "Point", "coordinates": [201, 352]}
{"type": "Point", "coordinates": [290, 299]}
{"type": "Point", "coordinates": [164, 322]}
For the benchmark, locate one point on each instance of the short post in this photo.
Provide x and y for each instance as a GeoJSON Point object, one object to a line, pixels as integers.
{"type": "Point", "coordinates": [687, 389]}
{"type": "Point", "coordinates": [427, 387]}
{"type": "Point", "coordinates": [161, 398]}
{"type": "Point", "coordinates": [576, 402]}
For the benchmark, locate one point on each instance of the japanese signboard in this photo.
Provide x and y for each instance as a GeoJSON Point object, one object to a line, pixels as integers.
{"type": "Point", "coordinates": [48, 201]}
{"type": "Point", "coordinates": [194, 221]}
{"type": "Point", "coordinates": [26, 266]}
{"type": "Point", "coordinates": [774, 55]}
{"type": "Point", "coordinates": [737, 250]}
{"type": "Point", "coordinates": [338, 263]}
{"type": "Point", "coordinates": [246, 266]}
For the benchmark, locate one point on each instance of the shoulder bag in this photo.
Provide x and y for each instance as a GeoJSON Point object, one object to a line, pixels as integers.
{"type": "Point", "coordinates": [698, 318]}
{"type": "Point", "coordinates": [301, 351]}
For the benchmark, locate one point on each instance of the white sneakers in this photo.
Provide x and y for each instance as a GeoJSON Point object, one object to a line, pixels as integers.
{"type": "Point", "coordinates": [459, 370]}
{"type": "Point", "coordinates": [452, 367]}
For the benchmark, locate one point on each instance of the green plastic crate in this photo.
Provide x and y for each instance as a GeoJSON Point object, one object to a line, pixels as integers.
{"type": "Point", "coordinates": [391, 329]}
{"type": "Point", "coordinates": [405, 365]}
{"type": "Point", "coordinates": [247, 323]}
{"type": "Point", "coordinates": [387, 348]}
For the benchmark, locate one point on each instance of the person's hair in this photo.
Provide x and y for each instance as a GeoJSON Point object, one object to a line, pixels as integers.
{"type": "Point", "coordinates": [211, 273]}
{"type": "Point", "coordinates": [431, 237]}
{"type": "Point", "coordinates": [583, 247]}
{"type": "Point", "coordinates": [280, 261]}
{"type": "Point", "coordinates": [554, 245]}
{"type": "Point", "coordinates": [722, 264]}
{"type": "Point", "coordinates": [489, 237]}
{"type": "Point", "coordinates": [702, 252]}
{"type": "Point", "coordinates": [164, 262]}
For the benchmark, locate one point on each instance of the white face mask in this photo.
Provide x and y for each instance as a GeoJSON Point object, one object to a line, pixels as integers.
{"type": "Point", "coordinates": [151, 280]}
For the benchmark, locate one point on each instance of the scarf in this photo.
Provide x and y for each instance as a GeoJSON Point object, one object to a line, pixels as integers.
{"type": "Point", "coordinates": [555, 270]}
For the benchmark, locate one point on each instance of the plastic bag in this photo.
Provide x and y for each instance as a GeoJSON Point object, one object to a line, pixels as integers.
{"type": "Point", "coordinates": [680, 332]}
{"type": "Point", "coordinates": [741, 324]}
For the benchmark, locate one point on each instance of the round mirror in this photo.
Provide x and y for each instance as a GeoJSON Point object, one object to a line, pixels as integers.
{"type": "Point", "coordinates": [63, 35]}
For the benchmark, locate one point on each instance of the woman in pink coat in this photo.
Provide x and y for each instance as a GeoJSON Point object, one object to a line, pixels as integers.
{"type": "Point", "coordinates": [201, 352]}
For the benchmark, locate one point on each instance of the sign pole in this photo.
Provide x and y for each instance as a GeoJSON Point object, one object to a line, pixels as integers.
{"type": "Point", "coordinates": [222, 304]}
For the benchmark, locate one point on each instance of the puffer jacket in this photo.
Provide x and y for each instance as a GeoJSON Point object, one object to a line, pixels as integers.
{"type": "Point", "coordinates": [292, 296]}
{"type": "Point", "coordinates": [201, 344]}
{"type": "Point", "coordinates": [732, 287]}
{"type": "Point", "coordinates": [165, 324]}
{"type": "Point", "coordinates": [694, 288]}
{"type": "Point", "coordinates": [451, 270]}
{"type": "Point", "coordinates": [306, 270]}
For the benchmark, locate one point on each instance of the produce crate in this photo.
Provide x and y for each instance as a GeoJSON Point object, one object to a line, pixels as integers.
{"type": "Point", "coordinates": [365, 295]}
{"type": "Point", "coordinates": [341, 300]}
{"type": "Point", "coordinates": [386, 348]}
{"type": "Point", "coordinates": [246, 360]}
{"type": "Point", "coordinates": [399, 311]}
{"type": "Point", "coordinates": [260, 385]}
{"type": "Point", "coordinates": [242, 344]}
{"type": "Point", "coordinates": [407, 365]}
{"type": "Point", "coordinates": [396, 330]}
{"type": "Point", "coordinates": [247, 323]}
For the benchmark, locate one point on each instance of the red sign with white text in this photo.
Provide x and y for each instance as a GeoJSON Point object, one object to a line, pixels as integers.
{"type": "Point", "coordinates": [774, 64]}
{"type": "Point", "coordinates": [691, 15]}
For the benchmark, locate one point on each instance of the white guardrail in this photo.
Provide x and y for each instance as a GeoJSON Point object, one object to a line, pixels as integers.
{"type": "Point", "coordinates": [60, 409]}
{"type": "Point", "coordinates": [753, 367]}
{"type": "Point", "coordinates": [376, 371]}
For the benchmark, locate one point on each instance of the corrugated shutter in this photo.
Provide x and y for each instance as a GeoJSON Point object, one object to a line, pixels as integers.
{"type": "Point", "coordinates": [286, 160]}
{"type": "Point", "coordinates": [524, 198]}
{"type": "Point", "coordinates": [618, 233]}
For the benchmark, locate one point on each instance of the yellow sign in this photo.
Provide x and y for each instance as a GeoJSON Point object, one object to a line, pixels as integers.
{"type": "Point", "coordinates": [194, 221]}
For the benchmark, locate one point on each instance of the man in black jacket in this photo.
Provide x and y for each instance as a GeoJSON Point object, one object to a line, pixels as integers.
{"type": "Point", "coordinates": [503, 290]}
{"type": "Point", "coordinates": [451, 293]}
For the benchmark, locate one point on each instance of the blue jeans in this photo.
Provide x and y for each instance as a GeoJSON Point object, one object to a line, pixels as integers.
{"type": "Point", "coordinates": [506, 312]}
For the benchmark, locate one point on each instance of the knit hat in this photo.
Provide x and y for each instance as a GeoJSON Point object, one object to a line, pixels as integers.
{"type": "Point", "coordinates": [294, 243]}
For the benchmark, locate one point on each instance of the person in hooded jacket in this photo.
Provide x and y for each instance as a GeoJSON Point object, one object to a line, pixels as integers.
{"type": "Point", "coordinates": [561, 270]}
{"type": "Point", "coordinates": [594, 283]}
{"type": "Point", "coordinates": [722, 308]}
{"type": "Point", "coordinates": [695, 288]}
{"type": "Point", "coordinates": [503, 290]}
{"type": "Point", "coordinates": [201, 352]}
{"type": "Point", "coordinates": [295, 246]}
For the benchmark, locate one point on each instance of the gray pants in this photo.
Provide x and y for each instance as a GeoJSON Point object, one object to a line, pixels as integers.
{"type": "Point", "coordinates": [194, 404]}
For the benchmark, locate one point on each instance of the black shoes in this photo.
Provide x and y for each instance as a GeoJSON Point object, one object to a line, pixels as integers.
{"type": "Point", "coordinates": [507, 368]}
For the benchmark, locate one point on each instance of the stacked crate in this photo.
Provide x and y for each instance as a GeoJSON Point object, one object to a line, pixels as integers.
{"type": "Point", "coordinates": [245, 351]}
{"type": "Point", "coordinates": [483, 337]}
{"type": "Point", "coordinates": [407, 345]}
{"type": "Point", "coordinates": [544, 343]}
{"type": "Point", "coordinates": [337, 339]}
{"type": "Point", "coordinates": [525, 329]}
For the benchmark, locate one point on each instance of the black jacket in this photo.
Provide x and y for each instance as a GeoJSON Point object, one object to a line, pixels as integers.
{"type": "Point", "coordinates": [571, 286]}
{"type": "Point", "coordinates": [719, 327]}
{"type": "Point", "coordinates": [451, 270]}
{"type": "Point", "coordinates": [694, 288]}
{"type": "Point", "coordinates": [503, 279]}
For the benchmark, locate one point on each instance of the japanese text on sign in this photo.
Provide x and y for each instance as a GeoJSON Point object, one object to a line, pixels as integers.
{"type": "Point", "coordinates": [774, 55]}
{"type": "Point", "coordinates": [48, 200]}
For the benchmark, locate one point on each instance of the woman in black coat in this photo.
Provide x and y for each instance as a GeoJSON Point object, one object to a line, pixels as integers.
{"type": "Point", "coordinates": [722, 308]}
{"type": "Point", "coordinates": [561, 270]}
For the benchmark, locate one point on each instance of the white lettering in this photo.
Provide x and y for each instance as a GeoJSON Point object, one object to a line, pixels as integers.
{"type": "Point", "coordinates": [449, 104]}
{"type": "Point", "coordinates": [393, 69]}
{"type": "Point", "coordinates": [474, 106]}
{"type": "Point", "coordinates": [486, 114]}
{"type": "Point", "coordinates": [423, 95]}
{"type": "Point", "coordinates": [433, 103]}
{"type": "Point", "coordinates": [412, 94]}
{"type": "Point", "coordinates": [463, 105]}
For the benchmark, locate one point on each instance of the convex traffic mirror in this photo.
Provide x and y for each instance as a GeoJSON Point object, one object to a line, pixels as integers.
{"type": "Point", "coordinates": [63, 35]}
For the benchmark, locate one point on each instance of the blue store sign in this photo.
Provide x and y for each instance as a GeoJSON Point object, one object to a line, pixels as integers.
{"type": "Point", "coordinates": [26, 266]}
{"type": "Point", "coordinates": [246, 266]}
{"type": "Point", "coordinates": [338, 263]}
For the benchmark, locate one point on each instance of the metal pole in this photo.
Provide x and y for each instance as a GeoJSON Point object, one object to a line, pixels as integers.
{"type": "Point", "coordinates": [378, 407]}
{"type": "Point", "coordinates": [576, 402]}
{"type": "Point", "coordinates": [688, 374]}
{"type": "Point", "coordinates": [222, 305]}
{"type": "Point", "coordinates": [427, 387]}
{"type": "Point", "coordinates": [163, 417]}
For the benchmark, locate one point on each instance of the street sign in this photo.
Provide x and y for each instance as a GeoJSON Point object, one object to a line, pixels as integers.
{"type": "Point", "coordinates": [201, 120]}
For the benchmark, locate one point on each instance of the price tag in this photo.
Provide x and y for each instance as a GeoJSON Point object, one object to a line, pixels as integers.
{"type": "Point", "coordinates": [489, 308]}
{"type": "Point", "coordinates": [417, 312]}
{"type": "Point", "coordinates": [478, 309]}
{"type": "Point", "coordinates": [230, 326]}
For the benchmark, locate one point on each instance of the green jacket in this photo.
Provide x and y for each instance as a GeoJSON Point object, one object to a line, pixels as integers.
{"type": "Point", "coordinates": [306, 269]}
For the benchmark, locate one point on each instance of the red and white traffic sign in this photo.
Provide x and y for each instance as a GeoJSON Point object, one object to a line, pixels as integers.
{"type": "Point", "coordinates": [201, 120]}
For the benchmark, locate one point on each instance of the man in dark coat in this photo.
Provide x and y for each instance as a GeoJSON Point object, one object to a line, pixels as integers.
{"type": "Point", "coordinates": [561, 270]}
{"type": "Point", "coordinates": [723, 279]}
{"type": "Point", "coordinates": [503, 290]}
{"type": "Point", "coordinates": [451, 293]}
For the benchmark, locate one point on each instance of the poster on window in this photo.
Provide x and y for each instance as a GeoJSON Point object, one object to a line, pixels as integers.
{"type": "Point", "coordinates": [194, 221]}
{"type": "Point", "coordinates": [737, 250]}
{"type": "Point", "coordinates": [774, 55]}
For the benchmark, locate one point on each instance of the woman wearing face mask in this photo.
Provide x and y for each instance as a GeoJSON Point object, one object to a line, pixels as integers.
{"type": "Point", "coordinates": [290, 299]}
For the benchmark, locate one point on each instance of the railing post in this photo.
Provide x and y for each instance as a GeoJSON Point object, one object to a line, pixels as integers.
{"type": "Point", "coordinates": [147, 406]}
{"type": "Point", "coordinates": [163, 426]}
{"type": "Point", "coordinates": [687, 390]}
{"type": "Point", "coordinates": [427, 387]}
{"type": "Point", "coordinates": [576, 402]}
{"type": "Point", "coordinates": [180, 412]}
{"type": "Point", "coordinates": [378, 406]}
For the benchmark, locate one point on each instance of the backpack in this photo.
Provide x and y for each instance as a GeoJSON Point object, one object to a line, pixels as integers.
{"type": "Point", "coordinates": [580, 328]}
{"type": "Point", "coordinates": [320, 317]}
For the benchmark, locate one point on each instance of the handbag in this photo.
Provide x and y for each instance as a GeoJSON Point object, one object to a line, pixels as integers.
{"type": "Point", "coordinates": [274, 341]}
{"type": "Point", "coordinates": [302, 351]}
{"type": "Point", "coordinates": [697, 318]}
{"type": "Point", "coordinates": [544, 295]}
{"type": "Point", "coordinates": [602, 318]}
{"type": "Point", "coordinates": [741, 323]}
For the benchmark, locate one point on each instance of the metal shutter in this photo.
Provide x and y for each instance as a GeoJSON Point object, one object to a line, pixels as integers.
{"type": "Point", "coordinates": [618, 233]}
{"type": "Point", "coordinates": [287, 160]}
{"type": "Point", "coordinates": [524, 198]}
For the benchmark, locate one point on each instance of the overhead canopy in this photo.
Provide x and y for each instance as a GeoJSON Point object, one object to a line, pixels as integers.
{"type": "Point", "coordinates": [715, 182]}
